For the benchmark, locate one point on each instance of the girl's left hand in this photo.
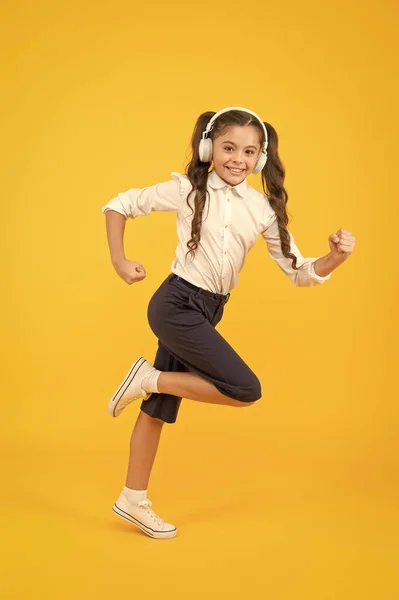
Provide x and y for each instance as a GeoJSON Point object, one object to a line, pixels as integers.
{"type": "Point", "coordinates": [341, 243]}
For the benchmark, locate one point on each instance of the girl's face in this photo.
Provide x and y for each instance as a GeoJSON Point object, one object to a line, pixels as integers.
{"type": "Point", "coordinates": [235, 153]}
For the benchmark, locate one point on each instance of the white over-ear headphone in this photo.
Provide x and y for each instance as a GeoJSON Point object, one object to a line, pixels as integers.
{"type": "Point", "coordinates": [206, 146]}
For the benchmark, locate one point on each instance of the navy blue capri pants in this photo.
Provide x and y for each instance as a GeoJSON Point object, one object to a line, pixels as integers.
{"type": "Point", "coordinates": [184, 318]}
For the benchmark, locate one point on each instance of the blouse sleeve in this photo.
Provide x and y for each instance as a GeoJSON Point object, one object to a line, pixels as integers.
{"type": "Point", "coordinates": [305, 276]}
{"type": "Point", "coordinates": [166, 196]}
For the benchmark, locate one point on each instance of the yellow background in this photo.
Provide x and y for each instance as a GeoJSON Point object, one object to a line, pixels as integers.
{"type": "Point", "coordinates": [296, 497]}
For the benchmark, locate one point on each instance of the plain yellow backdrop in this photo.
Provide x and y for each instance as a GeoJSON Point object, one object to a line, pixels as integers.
{"type": "Point", "coordinates": [296, 497]}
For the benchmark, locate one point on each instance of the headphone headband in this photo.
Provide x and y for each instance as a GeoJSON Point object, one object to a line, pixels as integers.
{"type": "Point", "coordinates": [220, 112]}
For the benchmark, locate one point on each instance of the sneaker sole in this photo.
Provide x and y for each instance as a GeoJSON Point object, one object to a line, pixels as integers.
{"type": "Point", "coordinates": [134, 369]}
{"type": "Point", "coordinates": [151, 532]}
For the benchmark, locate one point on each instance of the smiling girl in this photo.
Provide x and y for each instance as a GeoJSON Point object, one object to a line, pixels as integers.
{"type": "Point", "coordinates": [219, 218]}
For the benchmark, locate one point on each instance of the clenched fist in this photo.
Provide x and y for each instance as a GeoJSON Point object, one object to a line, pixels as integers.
{"type": "Point", "coordinates": [130, 271]}
{"type": "Point", "coordinates": [341, 243]}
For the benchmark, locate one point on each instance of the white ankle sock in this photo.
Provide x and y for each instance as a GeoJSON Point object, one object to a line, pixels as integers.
{"type": "Point", "coordinates": [134, 496]}
{"type": "Point", "coordinates": [150, 383]}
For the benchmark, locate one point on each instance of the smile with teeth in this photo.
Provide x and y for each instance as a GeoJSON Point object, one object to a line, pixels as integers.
{"type": "Point", "coordinates": [235, 170]}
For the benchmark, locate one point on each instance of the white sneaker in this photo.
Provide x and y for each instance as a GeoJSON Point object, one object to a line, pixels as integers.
{"type": "Point", "coordinates": [130, 389]}
{"type": "Point", "coordinates": [142, 516]}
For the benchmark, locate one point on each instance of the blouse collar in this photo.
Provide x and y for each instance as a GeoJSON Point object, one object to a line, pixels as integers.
{"type": "Point", "coordinates": [217, 183]}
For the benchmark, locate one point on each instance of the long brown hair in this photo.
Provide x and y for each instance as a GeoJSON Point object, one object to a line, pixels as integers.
{"type": "Point", "coordinates": [273, 174]}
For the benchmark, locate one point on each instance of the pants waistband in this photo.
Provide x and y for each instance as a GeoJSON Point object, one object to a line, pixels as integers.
{"type": "Point", "coordinates": [201, 291]}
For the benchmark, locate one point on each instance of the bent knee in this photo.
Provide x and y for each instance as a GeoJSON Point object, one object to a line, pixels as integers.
{"type": "Point", "coordinates": [250, 394]}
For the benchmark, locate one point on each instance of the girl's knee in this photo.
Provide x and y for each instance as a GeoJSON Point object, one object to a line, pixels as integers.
{"type": "Point", "coordinates": [150, 418]}
{"type": "Point", "coordinates": [249, 394]}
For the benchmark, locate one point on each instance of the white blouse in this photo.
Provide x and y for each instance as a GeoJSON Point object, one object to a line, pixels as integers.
{"type": "Point", "coordinates": [233, 218]}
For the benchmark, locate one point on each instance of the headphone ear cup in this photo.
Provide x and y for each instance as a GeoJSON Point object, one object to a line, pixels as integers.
{"type": "Point", "coordinates": [260, 163]}
{"type": "Point", "coordinates": [205, 150]}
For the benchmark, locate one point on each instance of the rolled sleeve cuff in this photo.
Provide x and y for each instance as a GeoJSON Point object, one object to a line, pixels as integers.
{"type": "Point", "coordinates": [116, 205]}
{"type": "Point", "coordinates": [315, 276]}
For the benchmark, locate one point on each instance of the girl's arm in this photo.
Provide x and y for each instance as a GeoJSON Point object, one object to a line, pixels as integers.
{"type": "Point", "coordinates": [305, 275]}
{"type": "Point", "coordinates": [115, 225]}
{"type": "Point", "coordinates": [166, 196]}
{"type": "Point", "coordinates": [128, 270]}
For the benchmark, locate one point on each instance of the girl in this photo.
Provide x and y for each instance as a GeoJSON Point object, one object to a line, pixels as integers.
{"type": "Point", "coordinates": [219, 218]}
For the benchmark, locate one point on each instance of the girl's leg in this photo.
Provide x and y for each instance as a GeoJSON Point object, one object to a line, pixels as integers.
{"type": "Point", "coordinates": [132, 503]}
{"type": "Point", "coordinates": [147, 430]}
{"type": "Point", "coordinates": [194, 387]}
{"type": "Point", "coordinates": [143, 448]}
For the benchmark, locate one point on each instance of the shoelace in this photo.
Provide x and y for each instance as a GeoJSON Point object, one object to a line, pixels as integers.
{"type": "Point", "coordinates": [146, 505]}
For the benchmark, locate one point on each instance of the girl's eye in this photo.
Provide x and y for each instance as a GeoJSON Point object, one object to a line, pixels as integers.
{"type": "Point", "coordinates": [230, 148]}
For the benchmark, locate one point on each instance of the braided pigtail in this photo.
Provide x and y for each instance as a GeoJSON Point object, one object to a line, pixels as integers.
{"type": "Point", "coordinates": [273, 174]}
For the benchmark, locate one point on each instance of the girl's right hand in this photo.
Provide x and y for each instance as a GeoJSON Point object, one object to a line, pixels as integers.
{"type": "Point", "coordinates": [130, 271]}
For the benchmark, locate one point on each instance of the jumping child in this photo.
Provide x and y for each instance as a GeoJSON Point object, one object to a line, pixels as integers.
{"type": "Point", "coordinates": [219, 218]}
